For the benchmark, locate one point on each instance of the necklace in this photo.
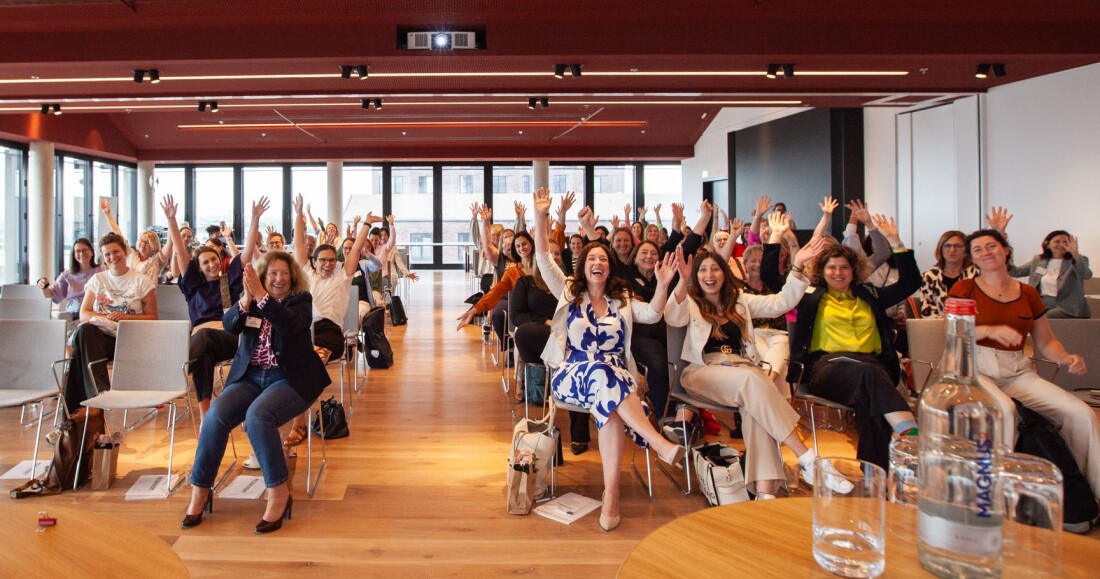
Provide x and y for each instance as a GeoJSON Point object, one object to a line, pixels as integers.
{"type": "Point", "coordinates": [1002, 290]}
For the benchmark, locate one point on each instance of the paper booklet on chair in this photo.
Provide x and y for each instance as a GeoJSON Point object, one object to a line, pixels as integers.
{"type": "Point", "coordinates": [568, 508]}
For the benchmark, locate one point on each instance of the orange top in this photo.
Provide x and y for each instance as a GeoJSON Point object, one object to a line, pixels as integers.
{"type": "Point", "coordinates": [1019, 313]}
{"type": "Point", "coordinates": [501, 288]}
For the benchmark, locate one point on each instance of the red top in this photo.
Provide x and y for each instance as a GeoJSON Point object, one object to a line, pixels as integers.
{"type": "Point", "coordinates": [1019, 313]}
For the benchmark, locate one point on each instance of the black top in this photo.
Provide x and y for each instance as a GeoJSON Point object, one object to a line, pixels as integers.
{"type": "Point", "coordinates": [530, 303]}
{"type": "Point", "coordinates": [731, 344]}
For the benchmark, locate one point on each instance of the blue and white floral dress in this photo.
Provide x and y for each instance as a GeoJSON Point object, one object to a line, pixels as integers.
{"type": "Point", "coordinates": [594, 373]}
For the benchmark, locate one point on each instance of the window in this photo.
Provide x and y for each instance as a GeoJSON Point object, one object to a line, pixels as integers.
{"type": "Point", "coordinates": [527, 184]}
{"type": "Point", "coordinates": [519, 179]}
{"type": "Point", "coordinates": [312, 184]}
{"type": "Point", "coordinates": [11, 190]}
{"type": "Point", "coordinates": [559, 184]}
{"type": "Point", "coordinates": [213, 200]}
{"type": "Point", "coordinates": [466, 184]}
{"type": "Point", "coordinates": [614, 188]}
{"type": "Point", "coordinates": [568, 178]}
{"type": "Point", "coordinates": [500, 184]}
{"type": "Point", "coordinates": [74, 189]}
{"type": "Point", "coordinates": [362, 191]}
{"type": "Point", "coordinates": [169, 181]}
{"type": "Point", "coordinates": [420, 254]}
{"type": "Point", "coordinates": [662, 187]}
{"type": "Point", "coordinates": [263, 182]}
{"type": "Point", "coordinates": [413, 213]}
{"type": "Point", "coordinates": [462, 187]}
{"type": "Point", "coordinates": [127, 200]}
{"type": "Point", "coordinates": [399, 185]}
{"type": "Point", "coordinates": [422, 184]}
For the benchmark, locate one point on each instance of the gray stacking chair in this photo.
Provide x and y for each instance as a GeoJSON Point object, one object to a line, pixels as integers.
{"type": "Point", "coordinates": [150, 369]}
{"type": "Point", "coordinates": [25, 309]}
{"type": "Point", "coordinates": [21, 291]}
{"type": "Point", "coordinates": [29, 353]}
{"type": "Point", "coordinates": [171, 305]}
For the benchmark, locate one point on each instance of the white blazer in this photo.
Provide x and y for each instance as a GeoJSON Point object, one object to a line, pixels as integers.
{"type": "Point", "coordinates": [748, 305]}
{"type": "Point", "coordinates": [557, 282]}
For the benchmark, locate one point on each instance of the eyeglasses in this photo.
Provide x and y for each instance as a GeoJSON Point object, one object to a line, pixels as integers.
{"type": "Point", "coordinates": [326, 259]}
{"type": "Point", "coordinates": [947, 246]}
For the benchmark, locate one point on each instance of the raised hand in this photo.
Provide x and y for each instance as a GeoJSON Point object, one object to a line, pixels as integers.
{"type": "Point", "coordinates": [626, 211]}
{"type": "Point", "coordinates": [1071, 246]}
{"type": "Point", "coordinates": [586, 218]}
{"type": "Point", "coordinates": [308, 209]}
{"type": "Point", "coordinates": [828, 204]}
{"type": "Point", "coordinates": [298, 201]}
{"type": "Point", "coordinates": [105, 207]}
{"type": "Point", "coordinates": [736, 226]}
{"type": "Point", "coordinates": [349, 231]}
{"type": "Point", "coordinates": [541, 201]}
{"type": "Point", "coordinates": [677, 215]}
{"type": "Point", "coordinates": [779, 223]}
{"type": "Point", "coordinates": [474, 208]}
{"type": "Point", "coordinates": [859, 212]}
{"type": "Point", "coordinates": [666, 268]}
{"type": "Point", "coordinates": [167, 204]}
{"type": "Point", "coordinates": [270, 229]}
{"type": "Point", "coordinates": [372, 218]}
{"type": "Point", "coordinates": [808, 252]}
{"type": "Point", "coordinates": [706, 209]}
{"type": "Point", "coordinates": [641, 213]}
{"type": "Point", "coordinates": [486, 214]}
{"type": "Point", "coordinates": [260, 206]}
{"type": "Point", "coordinates": [657, 211]}
{"type": "Point", "coordinates": [725, 218]}
{"type": "Point", "coordinates": [763, 203]}
{"type": "Point", "coordinates": [998, 218]}
{"type": "Point", "coordinates": [252, 285]}
{"type": "Point", "coordinates": [227, 230]}
{"type": "Point", "coordinates": [614, 222]}
{"type": "Point", "coordinates": [567, 202]}
{"type": "Point", "coordinates": [521, 209]}
{"type": "Point", "coordinates": [389, 219]}
{"type": "Point", "coordinates": [887, 227]}
{"type": "Point", "coordinates": [683, 265]}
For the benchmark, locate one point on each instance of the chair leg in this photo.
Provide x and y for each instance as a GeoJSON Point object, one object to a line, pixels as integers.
{"type": "Point", "coordinates": [168, 486]}
{"type": "Point", "coordinates": [813, 427]}
{"type": "Point", "coordinates": [37, 439]}
{"type": "Point", "coordinates": [312, 483]}
{"type": "Point", "coordinates": [80, 449]}
{"type": "Point", "coordinates": [647, 481]}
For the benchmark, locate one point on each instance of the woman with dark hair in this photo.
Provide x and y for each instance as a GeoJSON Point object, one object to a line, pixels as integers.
{"type": "Point", "coordinates": [722, 356]}
{"type": "Point", "coordinates": [68, 289]}
{"type": "Point", "coordinates": [115, 294]}
{"type": "Point", "coordinates": [569, 254]}
{"type": "Point", "coordinates": [275, 376]}
{"type": "Point", "coordinates": [769, 334]}
{"type": "Point", "coordinates": [209, 291]}
{"type": "Point", "coordinates": [589, 348]}
{"type": "Point", "coordinates": [1059, 273]}
{"type": "Point", "coordinates": [496, 299]}
{"type": "Point", "coordinates": [952, 264]}
{"type": "Point", "coordinates": [843, 343]}
{"type": "Point", "coordinates": [622, 245]}
{"type": "Point", "coordinates": [1007, 312]}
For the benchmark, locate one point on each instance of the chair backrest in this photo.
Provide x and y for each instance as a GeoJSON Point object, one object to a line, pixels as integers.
{"type": "Point", "coordinates": [20, 291]}
{"type": "Point", "coordinates": [675, 338]}
{"type": "Point", "coordinates": [27, 348]}
{"type": "Point", "coordinates": [149, 355]}
{"type": "Point", "coordinates": [1079, 337]}
{"type": "Point", "coordinates": [351, 313]}
{"type": "Point", "coordinates": [17, 309]}
{"type": "Point", "coordinates": [171, 305]}
{"type": "Point", "coordinates": [1092, 286]}
{"type": "Point", "coordinates": [927, 338]}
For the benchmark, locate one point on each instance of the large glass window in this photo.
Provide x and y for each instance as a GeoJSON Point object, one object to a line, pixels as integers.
{"type": "Point", "coordinates": [662, 187]}
{"type": "Point", "coordinates": [462, 187]}
{"type": "Point", "coordinates": [312, 184]}
{"type": "Point", "coordinates": [413, 211]}
{"type": "Point", "coordinates": [516, 188]}
{"type": "Point", "coordinates": [213, 199]}
{"type": "Point", "coordinates": [11, 186]}
{"type": "Point", "coordinates": [127, 200]}
{"type": "Point", "coordinates": [263, 182]}
{"type": "Point", "coordinates": [75, 174]}
{"type": "Point", "coordinates": [103, 185]}
{"type": "Point", "coordinates": [565, 178]}
{"type": "Point", "coordinates": [170, 181]}
{"type": "Point", "coordinates": [613, 188]}
{"type": "Point", "coordinates": [362, 192]}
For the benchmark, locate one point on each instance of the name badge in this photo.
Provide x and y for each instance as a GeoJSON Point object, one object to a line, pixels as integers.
{"type": "Point", "coordinates": [1040, 270]}
{"type": "Point", "coordinates": [253, 322]}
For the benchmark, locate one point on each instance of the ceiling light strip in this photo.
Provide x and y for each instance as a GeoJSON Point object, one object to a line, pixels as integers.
{"type": "Point", "coordinates": [410, 125]}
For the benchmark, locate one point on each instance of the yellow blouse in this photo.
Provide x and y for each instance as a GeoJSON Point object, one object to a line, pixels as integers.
{"type": "Point", "coordinates": [845, 324]}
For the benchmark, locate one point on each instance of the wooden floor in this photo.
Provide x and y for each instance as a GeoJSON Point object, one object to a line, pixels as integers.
{"type": "Point", "coordinates": [417, 490]}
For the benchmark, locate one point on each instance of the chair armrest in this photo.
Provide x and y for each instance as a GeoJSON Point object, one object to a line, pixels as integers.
{"type": "Point", "coordinates": [801, 370]}
{"type": "Point", "coordinates": [60, 386]}
{"type": "Point", "coordinates": [931, 370]}
{"type": "Point", "coordinates": [1043, 361]}
{"type": "Point", "coordinates": [91, 365]}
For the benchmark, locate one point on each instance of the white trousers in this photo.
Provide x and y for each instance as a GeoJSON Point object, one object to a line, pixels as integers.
{"type": "Point", "coordinates": [774, 348]}
{"type": "Point", "coordinates": [1009, 375]}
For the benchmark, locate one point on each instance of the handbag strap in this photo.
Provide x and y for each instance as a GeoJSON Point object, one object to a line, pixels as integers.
{"type": "Point", "coordinates": [227, 300]}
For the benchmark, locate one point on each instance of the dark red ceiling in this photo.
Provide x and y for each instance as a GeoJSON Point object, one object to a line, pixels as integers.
{"type": "Point", "coordinates": [457, 115]}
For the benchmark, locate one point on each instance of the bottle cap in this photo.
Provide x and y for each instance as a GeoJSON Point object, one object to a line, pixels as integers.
{"type": "Point", "coordinates": [960, 307]}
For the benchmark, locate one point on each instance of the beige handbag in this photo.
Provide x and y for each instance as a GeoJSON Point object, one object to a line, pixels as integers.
{"type": "Point", "coordinates": [540, 437]}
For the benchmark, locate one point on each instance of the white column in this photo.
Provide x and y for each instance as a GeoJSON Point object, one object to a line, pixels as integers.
{"type": "Point", "coordinates": [40, 212]}
{"type": "Point", "coordinates": [145, 201]}
{"type": "Point", "coordinates": [336, 193]}
{"type": "Point", "coordinates": [542, 174]}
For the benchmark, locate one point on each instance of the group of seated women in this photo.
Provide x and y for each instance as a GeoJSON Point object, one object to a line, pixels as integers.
{"type": "Point", "coordinates": [824, 315]}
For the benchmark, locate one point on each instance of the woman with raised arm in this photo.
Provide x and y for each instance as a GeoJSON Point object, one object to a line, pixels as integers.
{"type": "Point", "coordinates": [952, 264]}
{"type": "Point", "coordinates": [275, 376]}
{"type": "Point", "coordinates": [1008, 311]}
{"type": "Point", "coordinates": [148, 258]}
{"type": "Point", "coordinates": [115, 294]}
{"type": "Point", "coordinates": [843, 345]}
{"type": "Point", "coordinates": [209, 291]}
{"type": "Point", "coordinates": [721, 352]}
{"type": "Point", "coordinates": [590, 351]}
{"type": "Point", "coordinates": [1059, 273]}
{"type": "Point", "coordinates": [68, 289]}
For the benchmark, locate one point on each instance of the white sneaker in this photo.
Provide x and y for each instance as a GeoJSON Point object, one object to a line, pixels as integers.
{"type": "Point", "coordinates": [764, 496]}
{"type": "Point", "coordinates": [253, 463]}
{"type": "Point", "coordinates": [834, 482]}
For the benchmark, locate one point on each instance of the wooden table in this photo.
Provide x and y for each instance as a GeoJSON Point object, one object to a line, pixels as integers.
{"type": "Point", "coordinates": [773, 538]}
{"type": "Point", "coordinates": [81, 544]}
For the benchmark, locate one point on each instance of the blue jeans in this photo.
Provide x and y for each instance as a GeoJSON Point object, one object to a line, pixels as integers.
{"type": "Point", "coordinates": [264, 400]}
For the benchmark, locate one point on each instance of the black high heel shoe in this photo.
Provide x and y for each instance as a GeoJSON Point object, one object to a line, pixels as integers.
{"type": "Point", "coordinates": [265, 526]}
{"type": "Point", "coordinates": [190, 521]}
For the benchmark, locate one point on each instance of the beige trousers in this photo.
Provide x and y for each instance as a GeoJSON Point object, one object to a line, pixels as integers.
{"type": "Point", "coordinates": [774, 348]}
{"type": "Point", "coordinates": [733, 381]}
{"type": "Point", "coordinates": [1009, 375]}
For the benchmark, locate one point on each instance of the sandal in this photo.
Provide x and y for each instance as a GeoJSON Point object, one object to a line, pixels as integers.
{"type": "Point", "coordinates": [295, 436]}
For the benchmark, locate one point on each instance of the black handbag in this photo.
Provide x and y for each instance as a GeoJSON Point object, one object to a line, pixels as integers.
{"type": "Point", "coordinates": [335, 421]}
{"type": "Point", "coordinates": [1039, 437]}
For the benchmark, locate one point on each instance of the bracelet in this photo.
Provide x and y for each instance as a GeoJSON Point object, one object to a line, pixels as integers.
{"type": "Point", "coordinates": [797, 269]}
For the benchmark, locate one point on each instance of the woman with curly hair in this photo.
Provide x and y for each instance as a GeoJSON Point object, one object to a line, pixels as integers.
{"type": "Point", "coordinates": [952, 264]}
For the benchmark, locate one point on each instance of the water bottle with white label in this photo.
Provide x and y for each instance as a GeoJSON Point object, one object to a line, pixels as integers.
{"type": "Point", "coordinates": [960, 505]}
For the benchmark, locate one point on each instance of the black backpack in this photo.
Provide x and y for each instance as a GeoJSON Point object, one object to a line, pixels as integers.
{"type": "Point", "coordinates": [376, 345]}
{"type": "Point", "coordinates": [1039, 437]}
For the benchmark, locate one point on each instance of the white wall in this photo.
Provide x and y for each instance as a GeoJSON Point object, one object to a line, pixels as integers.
{"type": "Point", "coordinates": [711, 162]}
{"type": "Point", "coordinates": [1043, 157]}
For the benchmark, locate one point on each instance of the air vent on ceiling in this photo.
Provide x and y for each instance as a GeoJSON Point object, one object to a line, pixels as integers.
{"type": "Point", "coordinates": [441, 41]}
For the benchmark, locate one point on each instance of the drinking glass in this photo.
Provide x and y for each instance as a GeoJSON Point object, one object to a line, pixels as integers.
{"type": "Point", "coordinates": [1033, 505]}
{"type": "Point", "coordinates": [902, 482]}
{"type": "Point", "coordinates": [849, 527]}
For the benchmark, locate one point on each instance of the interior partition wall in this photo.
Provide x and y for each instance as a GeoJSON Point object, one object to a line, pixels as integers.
{"type": "Point", "coordinates": [13, 208]}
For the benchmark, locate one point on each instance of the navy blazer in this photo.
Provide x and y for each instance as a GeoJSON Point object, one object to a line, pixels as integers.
{"type": "Point", "coordinates": [290, 341]}
{"type": "Point", "coordinates": [802, 331]}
